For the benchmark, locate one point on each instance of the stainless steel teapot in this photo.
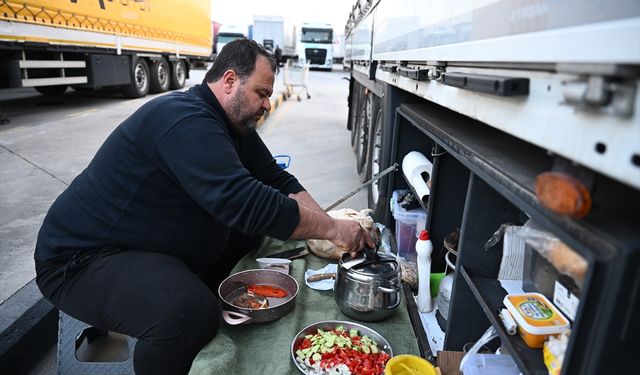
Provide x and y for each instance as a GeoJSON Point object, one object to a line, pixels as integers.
{"type": "Point", "coordinates": [368, 286]}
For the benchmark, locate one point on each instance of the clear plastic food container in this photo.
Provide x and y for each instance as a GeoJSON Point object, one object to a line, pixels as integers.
{"type": "Point", "coordinates": [536, 317]}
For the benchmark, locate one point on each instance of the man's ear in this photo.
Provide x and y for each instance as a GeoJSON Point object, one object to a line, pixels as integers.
{"type": "Point", "coordinates": [228, 78]}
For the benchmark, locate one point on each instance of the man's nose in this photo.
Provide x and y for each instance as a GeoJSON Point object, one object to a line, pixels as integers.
{"type": "Point", "coordinates": [266, 104]}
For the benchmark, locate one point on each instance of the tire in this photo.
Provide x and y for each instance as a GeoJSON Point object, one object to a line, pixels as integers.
{"type": "Point", "coordinates": [160, 75]}
{"type": "Point", "coordinates": [52, 90]}
{"type": "Point", "coordinates": [375, 159]}
{"type": "Point", "coordinates": [139, 85]}
{"type": "Point", "coordinates": [362, 137]}
{"type": "Point", "coordinates": [354, 112]}
{"type": "Point", "coordinates": [178, 75]}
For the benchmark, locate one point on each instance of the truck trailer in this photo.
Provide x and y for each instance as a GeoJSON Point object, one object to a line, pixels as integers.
{"type": "Point", "coordinates": [527, 113]}
{"type": "Point", "coordinates": [140, 46]}
{"type": "Point", "coordinates": [275, 31]}
{"type": "Point", "coordinates": [339, 49]}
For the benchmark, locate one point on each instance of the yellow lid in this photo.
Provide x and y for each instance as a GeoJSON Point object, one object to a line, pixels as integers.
{"type": "Point", "coordinates": [407, 364]}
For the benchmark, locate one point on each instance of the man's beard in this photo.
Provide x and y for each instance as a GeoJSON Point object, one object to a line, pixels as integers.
{"type": "Point", "coordinates": [241, 119]}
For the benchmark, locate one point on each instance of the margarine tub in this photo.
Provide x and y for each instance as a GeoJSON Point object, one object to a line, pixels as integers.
{"type": "Point", "coordinates": [536, 317]}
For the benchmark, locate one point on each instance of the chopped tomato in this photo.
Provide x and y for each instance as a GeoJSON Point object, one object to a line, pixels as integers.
{"type": "Point", "coordinates": [267, 290]}
{"type": "Point", "coordinates": [358, 362]}
{"type": "Point", "coordinates": [306, 343]}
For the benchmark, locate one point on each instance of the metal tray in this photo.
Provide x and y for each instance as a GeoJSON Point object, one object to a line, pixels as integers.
{"type": "Point", "coordinates": [383, 344]}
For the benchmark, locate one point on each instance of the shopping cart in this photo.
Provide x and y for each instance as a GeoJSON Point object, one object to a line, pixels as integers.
{"type": "Point", "coordinates": [295, 79]}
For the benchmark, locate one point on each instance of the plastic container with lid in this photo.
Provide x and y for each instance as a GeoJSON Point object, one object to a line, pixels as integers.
{"type": "Point", "coordinates": [489, 364]}
{"type": "Point", "coordinates": [536, 317]}
{"type": "Point", "coordinates": [408, 227]}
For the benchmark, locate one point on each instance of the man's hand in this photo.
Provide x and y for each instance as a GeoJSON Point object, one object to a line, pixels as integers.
{"type": "Point", "coordinates": [346, 234]}
{"type": "Point", "coordinates": [350, 236]}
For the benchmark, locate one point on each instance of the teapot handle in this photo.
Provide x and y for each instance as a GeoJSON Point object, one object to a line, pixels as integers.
{"type": "Point", "coordinates": [390, 290]}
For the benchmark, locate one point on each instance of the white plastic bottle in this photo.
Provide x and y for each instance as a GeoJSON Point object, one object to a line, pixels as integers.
{"type": "Point", "coordinates": [424, 247]}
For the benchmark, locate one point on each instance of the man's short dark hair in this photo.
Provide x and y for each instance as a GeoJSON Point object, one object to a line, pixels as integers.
{"type": "Point", "coordinates": [239, 55]}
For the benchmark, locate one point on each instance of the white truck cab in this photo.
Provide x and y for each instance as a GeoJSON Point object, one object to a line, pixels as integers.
{"type": "Point", "coordinates": [315, 45]}
{"type": "Point", "coordinates": [228, 33]}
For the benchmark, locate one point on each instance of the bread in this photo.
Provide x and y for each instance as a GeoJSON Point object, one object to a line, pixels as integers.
{"type": "Point", "coordinates": [327, 250]}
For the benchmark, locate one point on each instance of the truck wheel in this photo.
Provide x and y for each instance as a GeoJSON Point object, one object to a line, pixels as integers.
{"type": "Point", "coordinates": [160, 74]}
{"type": "Point", "coordinates": [354, 112]}
{"type": "Point", "coordinates": [178, 75]}
{"type": "Point", "coordinates": [51, 90]}
{"type": "Point", "coordinates": [375, 159]}
{"type": "Point", "coordinates": [362, 138]}
{"type": "Point", "coordinates": [139, 85]}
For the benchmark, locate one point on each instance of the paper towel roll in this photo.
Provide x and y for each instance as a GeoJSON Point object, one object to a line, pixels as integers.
{"type": "Point", "coordinates": [417, 169]}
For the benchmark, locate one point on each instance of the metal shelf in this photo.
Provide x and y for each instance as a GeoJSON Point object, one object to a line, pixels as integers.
{"type": "Point", "coordinates": [490, 294]}
{"type": "Point", "coordinates": [511, 165]}
{"type": "Point", "coordinates": [500, 173]}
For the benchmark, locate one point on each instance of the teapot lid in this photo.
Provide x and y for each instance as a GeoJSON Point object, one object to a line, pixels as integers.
{"type": "Point", "coordinates": [369, 262]}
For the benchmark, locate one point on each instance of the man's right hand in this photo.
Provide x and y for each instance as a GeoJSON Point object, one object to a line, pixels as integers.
{"type": "Point", "coordinates": [346, 234]}
{"type": "Point", "coordinates": [350, 236]}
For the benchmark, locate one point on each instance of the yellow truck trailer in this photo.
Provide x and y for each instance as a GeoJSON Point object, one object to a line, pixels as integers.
{"type": "Point", "coordinates": [141, 46]}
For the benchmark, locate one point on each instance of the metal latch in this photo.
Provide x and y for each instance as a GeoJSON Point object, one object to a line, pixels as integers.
{"type": "Point", "coordinates": [418, 74]}
{"type": "Point", "coordinates": [601, 94]}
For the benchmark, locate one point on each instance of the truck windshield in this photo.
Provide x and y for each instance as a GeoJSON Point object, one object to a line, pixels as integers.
{"type": "Point", "coordinates": [316, 35]}
{"type": "Point", "coordinates": [226, 38]}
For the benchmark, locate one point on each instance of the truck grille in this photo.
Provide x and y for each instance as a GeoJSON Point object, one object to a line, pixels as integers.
{"type": "Point", "coordinates": [315, 55]}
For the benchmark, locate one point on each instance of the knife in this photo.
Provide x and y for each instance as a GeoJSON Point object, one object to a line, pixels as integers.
{"type": "Point", "coordinates": [297, 252]}
{"type": "Point", "coordinates": [321, 276]}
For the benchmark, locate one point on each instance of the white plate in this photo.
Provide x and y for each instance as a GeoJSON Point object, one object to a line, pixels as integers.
{"type": "Point", "coordinates": [326, 284]}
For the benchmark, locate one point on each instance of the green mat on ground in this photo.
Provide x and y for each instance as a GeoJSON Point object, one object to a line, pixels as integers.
{"type": "Point", "coordinates": [265, 348]}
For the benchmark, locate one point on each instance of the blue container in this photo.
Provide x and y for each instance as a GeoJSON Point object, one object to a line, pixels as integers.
{"type": "Point", "coordinates": [284, 161]}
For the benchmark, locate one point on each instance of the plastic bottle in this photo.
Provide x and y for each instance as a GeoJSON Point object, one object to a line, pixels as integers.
{"type": "Point", "coordinates": [424, 247]}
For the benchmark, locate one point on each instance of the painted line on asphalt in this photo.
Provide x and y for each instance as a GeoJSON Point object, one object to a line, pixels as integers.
{"type": "Point", "coordinates": [82, 113]}
{"type": "Point", "coordinates": [277, 117]}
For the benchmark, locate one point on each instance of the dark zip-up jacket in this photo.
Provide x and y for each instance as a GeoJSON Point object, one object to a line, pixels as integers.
{"type": "Point", "coordinates": [174, 179]}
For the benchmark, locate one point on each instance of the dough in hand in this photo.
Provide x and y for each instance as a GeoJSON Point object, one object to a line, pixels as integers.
{"type": "Point", "coordinates": [327, 250]}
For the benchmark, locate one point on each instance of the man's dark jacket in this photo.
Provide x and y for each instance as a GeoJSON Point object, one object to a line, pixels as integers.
{"type": "Point", "coordinates": [173, 178]}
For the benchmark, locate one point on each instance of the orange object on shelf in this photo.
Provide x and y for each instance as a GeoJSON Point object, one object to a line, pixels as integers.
{"type": "Point", "coordinates": [563, 194]}
{"type": "Point", "coordinates": [536, 317]}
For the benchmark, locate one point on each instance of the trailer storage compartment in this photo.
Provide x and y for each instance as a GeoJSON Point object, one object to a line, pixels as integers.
{"type": "Point", "coordinates": [529, 113]}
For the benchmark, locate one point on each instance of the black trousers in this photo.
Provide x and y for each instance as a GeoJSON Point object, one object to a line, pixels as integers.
{"type": "Point", "coordinates": [154, 297]}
